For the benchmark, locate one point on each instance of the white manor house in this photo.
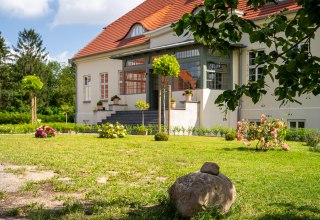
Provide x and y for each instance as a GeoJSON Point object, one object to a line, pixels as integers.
{"type": "Point", "coordinates": [119, 62]}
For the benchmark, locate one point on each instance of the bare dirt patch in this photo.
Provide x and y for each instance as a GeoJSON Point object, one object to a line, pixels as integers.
{"type": "Point", "coordinates": [13, 179]}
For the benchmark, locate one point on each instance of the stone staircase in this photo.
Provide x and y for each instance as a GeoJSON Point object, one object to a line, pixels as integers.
{"type": "Point", "coordinates": [133, 117]}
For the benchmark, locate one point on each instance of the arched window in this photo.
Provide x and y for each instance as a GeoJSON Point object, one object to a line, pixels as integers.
{"type": "Point", "coordinates": [136, 30]}
{"type": "Point", "coordinates": [197, 9]}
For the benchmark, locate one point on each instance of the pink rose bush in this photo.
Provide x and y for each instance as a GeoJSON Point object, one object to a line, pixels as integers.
{"type": "Point", "coordinates": [45, 132]}
{"type": "Point", "coordinates": [270, 133]}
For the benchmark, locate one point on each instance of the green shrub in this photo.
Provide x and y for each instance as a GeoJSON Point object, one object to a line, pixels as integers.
{"type": "Point", "coordinates": [112, 131]}
{"type": "Point", "coordinates": [139, 128]}
{"type": "Point", "coordinates": [161, 136]}
{"type": "Point", "coordinates": [215, 130]}
{"type": "Point", "coordinates": [230, 136]}
{"type": "Point", "coordinates": [25, 118]}
{"type": "Point", "coordinates": [292, 135]}
{"type": "Point", "coordinates": [313, 140]}
{"type": "Point", "coordinates": [315, 149]}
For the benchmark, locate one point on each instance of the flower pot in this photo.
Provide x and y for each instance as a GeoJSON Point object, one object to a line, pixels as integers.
{"type": "Point", "coordinates": [116, 101]}
{"type": "Point", "coordinates": [188, 97]}
{"type": "Point", "coordinates": [173, 105]}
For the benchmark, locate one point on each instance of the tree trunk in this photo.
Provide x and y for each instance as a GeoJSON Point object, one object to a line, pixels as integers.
{"type": "Point", "coordinates": [142, 118]}
{"type": "Point", "coordinates": [33, 109]}
{"type": "Point", "coordinates": [159, 106]}
{"type": "Point", "coordinates": [169, 107]}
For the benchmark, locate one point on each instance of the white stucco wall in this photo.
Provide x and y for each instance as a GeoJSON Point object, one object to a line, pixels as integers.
{"type": "Point", "coordinates": [187, 118]}
{"type": "Point", "coordinates": [207, 114]}
{"type": "Point", "coordinates": [309, 110]}
{"type": "Point", "coordinates": [94, 67]}
{"type": "Point", "coordinates": [131, 100]}
{"type": "Point", "coordinates": [166, 36]}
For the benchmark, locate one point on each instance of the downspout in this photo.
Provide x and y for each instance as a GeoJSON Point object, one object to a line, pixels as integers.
{"type": "Point", "coordinates": [240, 84]}
{"type": "Point", "coordinates": [76, 99]}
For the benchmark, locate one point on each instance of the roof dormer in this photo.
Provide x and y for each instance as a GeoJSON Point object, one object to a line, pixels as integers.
{"type": "Point", "coordinates": [136, 30]}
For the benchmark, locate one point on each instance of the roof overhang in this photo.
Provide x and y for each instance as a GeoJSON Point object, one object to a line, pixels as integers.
{"type": "Point", "coordinates": [166, 47]}
{"type": "Point", "coordinates": [160, 48]}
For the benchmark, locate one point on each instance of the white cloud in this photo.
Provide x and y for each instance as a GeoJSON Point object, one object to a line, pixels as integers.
{"type": "Point", "coordinates": [92, 11]}
{"type": "Point", "coordinates": [62, 57]}
{"type": "Point", "coordinates": [25, 8]}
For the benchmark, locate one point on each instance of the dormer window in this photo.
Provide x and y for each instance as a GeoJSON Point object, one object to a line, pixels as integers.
{"type": "Point", "coordinates": [136, 30]}
{"type": "Point", "coordinates": [197, 9]}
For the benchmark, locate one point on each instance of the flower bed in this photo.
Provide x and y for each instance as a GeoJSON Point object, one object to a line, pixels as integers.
{"type": "Point", "coordinates": [45, 132]}
{"type": "Point", "coordinates": [270, 133]}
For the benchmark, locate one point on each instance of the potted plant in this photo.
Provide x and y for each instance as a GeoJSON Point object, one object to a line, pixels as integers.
{"type": "Point", "coordinates": [140, 130]}
{"type": "Point", "coordinates": [115, 99]}
{"type": "Point", "coordinates": [173, 103]}
{"type": "Point", "coordinates": [188, 94]}
{"type": "Point", "coordinates": [99, 105]}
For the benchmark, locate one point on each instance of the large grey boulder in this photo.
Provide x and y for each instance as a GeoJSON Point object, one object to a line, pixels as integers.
{"type": "Point", "coordinates": [196, 191]}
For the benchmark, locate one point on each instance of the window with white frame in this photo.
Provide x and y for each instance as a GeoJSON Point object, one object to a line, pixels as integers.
{"type": "Point", "coordinates": [217, 75]}
{"type": "Point", "coordinates": [255, 72]}
{"type": "Point", "coordinates": [87, 87]}
{"type": "Point", "coordinates": [104, 86]}
{"type": "Point", "coordinates": [296, 123]}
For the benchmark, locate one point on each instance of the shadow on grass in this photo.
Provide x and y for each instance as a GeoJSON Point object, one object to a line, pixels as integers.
{"type": "Point", "coordinates": [293, 212]}
{"type": "Point", "coordinates": [161, 212]}
{"type": "Point", "coordinates": [37, 211]}
{"type": "Point", "coordinates": [246, 149]}
{"type": "Point", "coordinates": [82, 209]}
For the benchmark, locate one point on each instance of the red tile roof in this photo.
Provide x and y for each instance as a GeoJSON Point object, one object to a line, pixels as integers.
{"type": "Point", "coordinates": [270, 9]}
{"type": "Point", "coordinates": [153, 14]}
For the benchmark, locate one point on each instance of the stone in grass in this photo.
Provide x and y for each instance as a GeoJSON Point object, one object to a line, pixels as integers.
{"type": "Point", "coordinates": [195, 191]}
{"type": "Point", "coordinates": [210, 168]}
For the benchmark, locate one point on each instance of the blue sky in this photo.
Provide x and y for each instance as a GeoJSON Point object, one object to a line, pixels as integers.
{"type": "Point", "coordinates": [65, 25]}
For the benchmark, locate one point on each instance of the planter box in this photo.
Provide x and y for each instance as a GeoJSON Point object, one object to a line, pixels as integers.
{"type": "Point", "coordinates": [140, 133]}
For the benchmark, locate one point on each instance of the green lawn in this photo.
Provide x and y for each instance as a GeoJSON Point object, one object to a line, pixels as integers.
{"type": "Point", "coordinates": [270, 185]}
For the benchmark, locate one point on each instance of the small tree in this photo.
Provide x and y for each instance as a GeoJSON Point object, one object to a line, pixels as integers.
{"type": "Point", "coordinates": [142, 106]}
{"type": "Point", "coordinates": [66, 108]}
{"type": "Point", "coordinates": [164, 66]}
{"type": "Point", "coordinates": [32, 83]}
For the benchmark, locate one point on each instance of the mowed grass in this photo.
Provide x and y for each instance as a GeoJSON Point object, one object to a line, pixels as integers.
{"type": "Point", "coordinates": [270, 185]}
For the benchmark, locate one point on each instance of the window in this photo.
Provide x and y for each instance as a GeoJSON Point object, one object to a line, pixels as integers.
{"type": "Point", "coordinates": [296, 123]}
{"type": "Point", "coordinates": [120, 82]}
{"type": "Point", "coordinates": [135, 82]}
{"type": "Point", "coordinates": [104, 86]}
{"type": "Point", "coordinates": [189, 76]}
{"type": "Point", "coordinates": [136, 30]}
{"type": "Point", "coordinates": [187, 53]}
{"type": "Point", "coordinates": [135, 62]}
{"type": "Point", "coordinates": [255, 122]}
{"type": "Point", "coordinates": [87, 88]}
{"type": "Point", "coordinates": [255, 72]}
{"type": "Point", "coordinates": [217, 75]}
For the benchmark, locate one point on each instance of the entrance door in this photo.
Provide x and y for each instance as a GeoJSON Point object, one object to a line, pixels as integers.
{"type": "Point", "coordinates": [153, 90]}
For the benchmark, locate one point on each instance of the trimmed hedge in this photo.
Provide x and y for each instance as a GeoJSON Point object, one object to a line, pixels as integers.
{"type": "Point", "coordinates": [59, 127]}
{"type": "Point", "coordinates": [25, 118]}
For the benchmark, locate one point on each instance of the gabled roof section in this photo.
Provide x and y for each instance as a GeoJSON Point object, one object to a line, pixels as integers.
{"type": "Point", "coordinates": [153, 14]}
{"type": "Point", "coordinates": [157, 19]}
